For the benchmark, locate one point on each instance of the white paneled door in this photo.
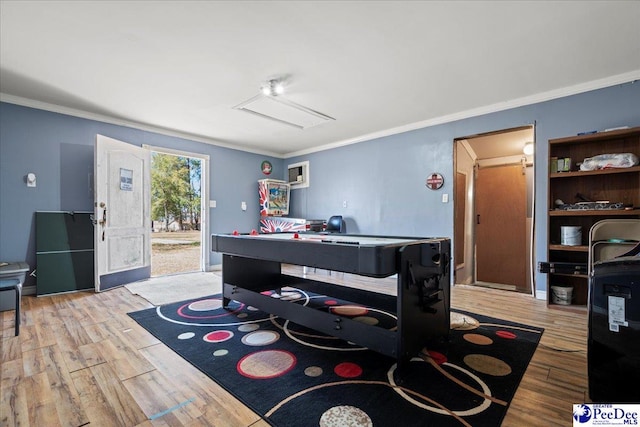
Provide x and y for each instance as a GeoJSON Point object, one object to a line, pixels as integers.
{"type": "Point", "coordinates": [122, 213]}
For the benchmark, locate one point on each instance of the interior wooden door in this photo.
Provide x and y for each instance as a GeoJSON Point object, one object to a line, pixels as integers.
{"type": "Point", "coordinates": [501, 226]}
{"type": "Point", "coordinates": [459, 216]}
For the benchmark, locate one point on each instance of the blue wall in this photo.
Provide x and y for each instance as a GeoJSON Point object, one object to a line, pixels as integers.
{"type": "Point", "coordinates": [382, 180]}
{"type": "Point", "coordinates": [59, 149]}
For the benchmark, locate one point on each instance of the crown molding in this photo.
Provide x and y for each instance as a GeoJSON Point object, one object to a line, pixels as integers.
{"type": "Point", "coordinates": [54, 108]}
{"type": "Point", "coordinates": [629, 77]}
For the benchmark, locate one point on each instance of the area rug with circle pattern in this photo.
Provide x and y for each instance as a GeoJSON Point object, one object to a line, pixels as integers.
{"type": "Point", "coordinates": [294, 376]}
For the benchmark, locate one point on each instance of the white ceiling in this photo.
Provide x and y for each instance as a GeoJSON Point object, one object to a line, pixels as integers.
{"type": "Point", "coordinates": [377, 67]}
{"type": "Point", "coordinates": [503, 145]}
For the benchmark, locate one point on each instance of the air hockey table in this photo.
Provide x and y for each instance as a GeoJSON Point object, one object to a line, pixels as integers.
{"type": "Point", "coordinates": [251, 266]}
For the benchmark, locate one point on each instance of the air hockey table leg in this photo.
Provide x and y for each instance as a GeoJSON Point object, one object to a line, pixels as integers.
{"type": "Point", "coordinates": [247, 273]}
{"type": "Point", "coordinates": [227, 291]}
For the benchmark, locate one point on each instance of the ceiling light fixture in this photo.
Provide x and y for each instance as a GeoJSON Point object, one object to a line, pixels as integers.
{"type": "Point", "coordinates": [270, 105]}
{"type": "Point", "coordinates": [528, 148]}
{"type": "Point", "coordinates": [273, 88]}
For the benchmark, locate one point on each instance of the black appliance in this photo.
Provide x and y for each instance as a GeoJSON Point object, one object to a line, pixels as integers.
{"type": "Point", "coordinates": [613, 352]}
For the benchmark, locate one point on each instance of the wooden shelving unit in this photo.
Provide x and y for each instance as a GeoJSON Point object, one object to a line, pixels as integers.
{"type": "Point", "coordinates": [621, 185]}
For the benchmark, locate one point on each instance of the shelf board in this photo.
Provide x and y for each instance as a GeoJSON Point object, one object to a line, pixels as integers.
{"type": "Point", "coordinates": [573, 174]}
{"type": "Point", "coordinates": [568, 248]}
{"type": "Point", "coordinates": [596, 137]}
{"type": "Point", "coordinates": [596, 212]}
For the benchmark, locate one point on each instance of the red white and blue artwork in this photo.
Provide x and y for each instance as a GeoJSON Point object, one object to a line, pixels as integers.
{"type": "Point", "coordinates": [274, 197]}
{"type": "Point", "coordinates": [282, 225]}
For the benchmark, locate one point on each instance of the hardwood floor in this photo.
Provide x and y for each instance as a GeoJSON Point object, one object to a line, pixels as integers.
{"type": "Point", "coordinates": [80, 360]}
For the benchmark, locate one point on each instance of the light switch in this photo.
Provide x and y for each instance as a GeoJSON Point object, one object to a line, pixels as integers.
{"type": "Point", "coordinates": [212, 203]}
{"type": "Point", "coordinates": [243, 206]}
{"type": "Point", "coordinates": [445, 198]}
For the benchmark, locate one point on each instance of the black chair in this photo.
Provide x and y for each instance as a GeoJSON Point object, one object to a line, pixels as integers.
{"type": "Point", "coordinates": [14, 285]}
{"type": "Point", "coordinates": [12, 276]}
{"type": "Point", "coordinates": [335, 224]}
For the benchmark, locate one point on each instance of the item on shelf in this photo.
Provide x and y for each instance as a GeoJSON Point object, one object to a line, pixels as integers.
{"type": "Point", "coordinates": [563, 267]}
{"type": "Point", "coordinates": [564, 164]}
{"type": "Point", "coordinates": [584, 206]}
{"type": "Point", "coordinates": [561, 295]}
{"type": "Point", "coordinates": [583, 198]}
{"type": "Point", "coordinates": [609, 161]}
{"type": "Point", "coordinates": [616, 128]}
{"type": "Point", "coordinates": [570, 235]}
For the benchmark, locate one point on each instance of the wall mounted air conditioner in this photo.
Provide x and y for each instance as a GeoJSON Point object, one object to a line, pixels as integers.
{"type": "Point", "coordinates": [298, 175]}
